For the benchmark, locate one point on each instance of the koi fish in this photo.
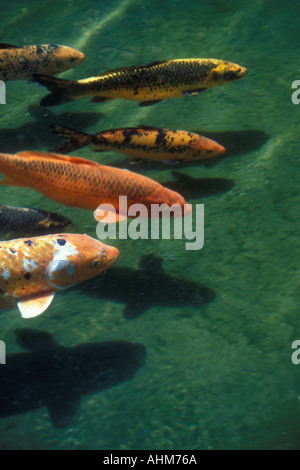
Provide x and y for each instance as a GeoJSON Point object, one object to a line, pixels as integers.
{"type": "Point", "coordinates": [19, 63]}
{"type": "Point", "coordinates": [32, 270]}
{"type": "Point", "coordinates": [77, 182]}
{"type": "Point", "coordinates": [149, 83]}
{"type": "Point", "coordinates": [145, 143]}
{"type": "Point", "coordinates": [25, 222]}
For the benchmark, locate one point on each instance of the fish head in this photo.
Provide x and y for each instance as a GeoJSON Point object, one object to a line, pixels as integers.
{"type": "Point", "coordinates": [168, 199]}
{"type": "Point", "coordinates": [77, 258]}
{"type": "Point", "coordinates": [205, 148]}
{"type": "Point", "coordinates": [64, 58]}
{"type": "Point", "coordinates": [225, 72]}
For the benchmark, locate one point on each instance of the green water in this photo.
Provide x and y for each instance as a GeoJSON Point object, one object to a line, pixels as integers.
{"type": "Point", "coordinates": [217, 374]}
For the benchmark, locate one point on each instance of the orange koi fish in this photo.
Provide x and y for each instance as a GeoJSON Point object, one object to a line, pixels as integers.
{"type": "Point", "coordinates": [20, 63]}
{"type": "Point", "coordinates": [32, 270]}
{"type": "Point", "coordinates": [149, 83]}
{"type": "Point", "coordinates": [145, 143]}
{"type": "Point", "coordinates": [77, 182]}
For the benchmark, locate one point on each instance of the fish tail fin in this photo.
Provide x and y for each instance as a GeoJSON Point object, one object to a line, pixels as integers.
{"type": "Point", "coordinates": [60, 89]}
{"type": "Point", "coordinates": [74, 139]}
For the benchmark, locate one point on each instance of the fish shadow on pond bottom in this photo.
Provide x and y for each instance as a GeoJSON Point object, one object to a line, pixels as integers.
{"type": "Point", "coordinates": [195, 188]}
{"type": "Point", "coordinates": [149, 286]}
{"type": "Point", "coordinates": [36, 134]}
{"type": "Point", "coordinates": [56, 377]}
{"type": "Point", "coordinates": [235, 143]}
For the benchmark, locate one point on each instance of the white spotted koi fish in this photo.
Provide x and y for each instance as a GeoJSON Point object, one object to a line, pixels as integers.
{"type": "Point", "coordinates": [32, 270]}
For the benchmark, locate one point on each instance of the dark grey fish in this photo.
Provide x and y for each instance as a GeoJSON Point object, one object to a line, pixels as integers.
{"type": "Point", "coordinates": [23, 222]}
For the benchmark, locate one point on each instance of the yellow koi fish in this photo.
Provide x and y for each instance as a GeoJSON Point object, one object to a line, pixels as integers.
{"type": "Point", "coordinates": [20, 63]}
{"type": "Point", "coordinates": [148, 83]}
{"type": "Point", "coordinates": [143, 142]}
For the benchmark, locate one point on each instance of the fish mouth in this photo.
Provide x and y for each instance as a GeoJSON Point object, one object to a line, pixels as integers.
{"type": "Point", "coordinates": [112, 261]}
{"type": "Point", "coordinates": [242, 72]}
{"type": "Point", "coordinates": [236, 74]}
{"type": "Point", "coordinates": [221, 150]}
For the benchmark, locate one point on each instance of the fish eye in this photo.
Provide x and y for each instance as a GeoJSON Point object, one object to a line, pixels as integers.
{"type": "Point", "coordinates": [95, 263]}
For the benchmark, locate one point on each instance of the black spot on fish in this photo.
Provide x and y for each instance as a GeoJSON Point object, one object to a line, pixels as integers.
{"type": "Point", "coordinates": [27, 276]}
{"type": "Point", "coordinates": [28, 242]}
{"type": "Point", "coordinates": [61, 241]}
{"type": "Point", "coordinates": [128, 134]}
{"type": "Point", "coordinates": [160, 139]}
{"type": "Point", "coordinates": [39, 50]}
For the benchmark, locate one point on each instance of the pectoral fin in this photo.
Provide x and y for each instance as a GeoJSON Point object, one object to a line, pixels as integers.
{"type": "Point", "coordinates": [193, 92]}
{"type": "Point", "coordinates": [136, 161]}
{"type": "Point", "coordinates": [35, 305]}
{"type": "Point", "coordinates": [149, 103]}
{"type": "Point", "coordinates": [100, 99]}
{"type": "Point", "coordinates": [171, 162]}
{"type": "Point", "coordinates": [107, 214]}
{"type": "Point", "coordinates": [62, 410]}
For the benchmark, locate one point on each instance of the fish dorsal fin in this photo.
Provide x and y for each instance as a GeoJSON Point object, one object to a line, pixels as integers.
{"type": "Point", "coordinates": [127, 69]}
{"type": "Point", "coordinates": [157, 62]}
{"type": "Point", "coordinates": [56, 156]}
{"type": "Point", "coordinates": [121, 69]}
{"type": "Point", "coordinates": [35, 305]}
{"type": "Point", "coordinates": [3, 45]}
{"type": "Point", "coordinates": [131, 129]}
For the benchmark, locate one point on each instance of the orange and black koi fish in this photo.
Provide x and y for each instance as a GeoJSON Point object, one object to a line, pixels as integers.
{"type": "Point", "coordinates": [149, 83]}
{"type": "Point", "coordinates": [20, 63]}
{"type": "Point", "coordinates": [143, 142]}
{"type": "Point", "coordinates": [77, 182]}
{"type": "Point", "coordinates": [25, 222]}
{"type": "Point", "coordinates": [32, 270]}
